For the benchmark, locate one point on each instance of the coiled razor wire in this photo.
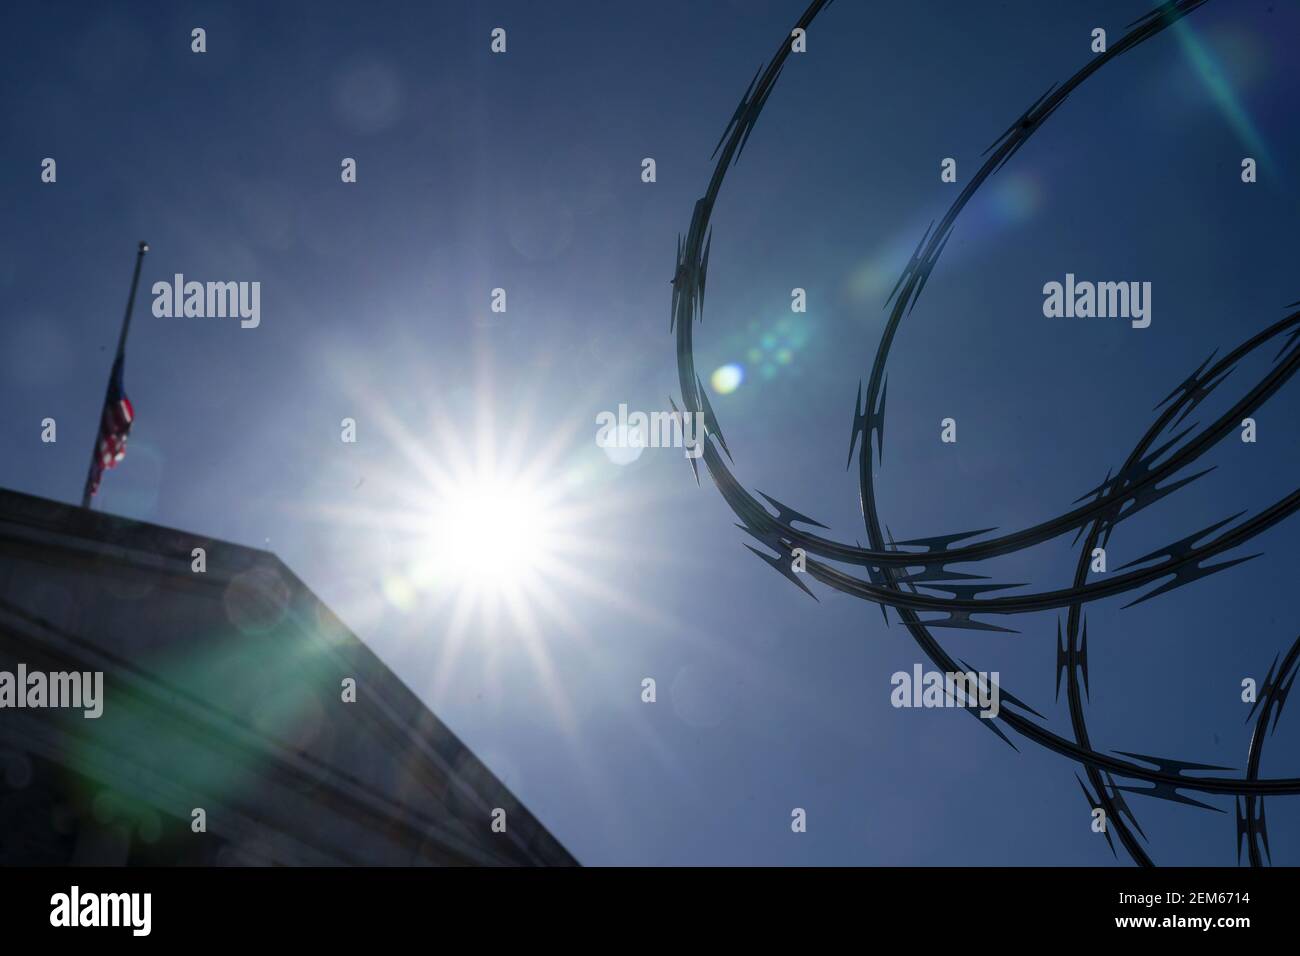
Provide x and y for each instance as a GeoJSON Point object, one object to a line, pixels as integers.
{"type": "Point", "coordinates": [897, 571]}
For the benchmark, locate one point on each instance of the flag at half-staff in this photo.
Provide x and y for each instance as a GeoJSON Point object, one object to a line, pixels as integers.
{"type": "Point", "coordinates": [117, 416]}
{"type": "Point", "coordinates": [114, 427]}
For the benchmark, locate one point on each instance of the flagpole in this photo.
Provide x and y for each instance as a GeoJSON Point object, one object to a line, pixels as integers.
{"type": "Point", "coordinates": [121, 350]}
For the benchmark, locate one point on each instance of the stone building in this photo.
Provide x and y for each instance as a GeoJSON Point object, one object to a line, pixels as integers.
{"type": "Point", "coordinates": [223, 692]}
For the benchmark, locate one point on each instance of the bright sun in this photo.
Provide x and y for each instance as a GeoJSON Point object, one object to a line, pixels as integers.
{"type": "Point", "coordinates": [491, 535]}
{"type": "Point", "coordinates": [478, 535]}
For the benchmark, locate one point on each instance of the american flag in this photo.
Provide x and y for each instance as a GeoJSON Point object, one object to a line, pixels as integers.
{"type": "Point", "coordinates": [114, 426]}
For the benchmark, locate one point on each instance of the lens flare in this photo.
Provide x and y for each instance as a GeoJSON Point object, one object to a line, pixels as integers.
{"type": "Point", "coordinates": [727, 378]}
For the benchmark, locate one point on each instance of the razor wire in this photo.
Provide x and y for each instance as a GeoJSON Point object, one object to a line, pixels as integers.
{"type": "Point", "coordinates": [895, 577]}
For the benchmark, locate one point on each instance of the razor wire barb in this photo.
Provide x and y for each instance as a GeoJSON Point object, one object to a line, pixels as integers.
{"type": "Point", "coordinates": [896, 571]}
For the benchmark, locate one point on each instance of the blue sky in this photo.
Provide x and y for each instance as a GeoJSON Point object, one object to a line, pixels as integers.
{"type": "Point", "coordinates": [522, 171]}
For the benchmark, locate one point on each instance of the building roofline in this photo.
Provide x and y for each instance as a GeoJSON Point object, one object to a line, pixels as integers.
{"type": "Point", "coordinates": [87, 535]}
